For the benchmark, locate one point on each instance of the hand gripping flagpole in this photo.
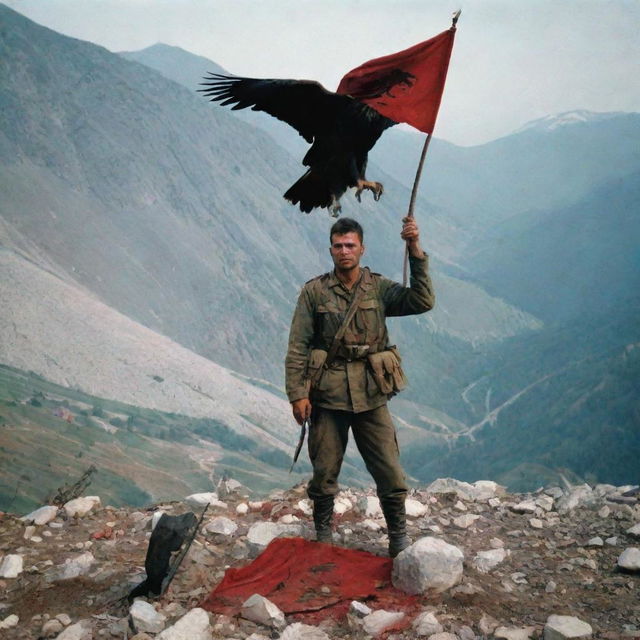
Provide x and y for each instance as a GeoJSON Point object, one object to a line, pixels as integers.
{"type": "Point", "coordinates": [416, 182]}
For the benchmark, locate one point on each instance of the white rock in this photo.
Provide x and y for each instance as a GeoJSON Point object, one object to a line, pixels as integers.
{"type": "Point", "coordinates": [156, 518]}
{"type": "Point", "coordinates": [9, 621]}
{"type": "Point", "coordinates": [80, 507]}
{"type": "Point", "coordinates": [415, 508]}
{"type": "Point", "coordinates": [605, 489]}
{"type": "Point", "coordinates": [359, 609]}
{"type": "Point", "coordinates": [426, 624]}
{"type": "Point", "coordinates": [496, 543]}
{"type": "Point", "coordinates": [514, 633]}
{"type": "Point", "coordinates": [536, 523]}
{"type": "Point", "coordinates": [78, 631]}
{"type": "Point", "coordinates": [375, 623]}
{"type": "Point", "coordinates": [258, 609]}
{"type": "Point", "coordinates": [192, 626]}
{"type": "Point", "coordinates": [300, 631]}
{"type": "Point", "coordinates": [11, 566]}
{"type": "Point", "coordinates": [554, 492]}
{"type": "Point", "coordinates": [484, 561]}
{"type": "Point", "coordinates": [634, 531]}
{"type": "Point", "coordinates": [630, 559]}
{"type": "Point", "coordinates": [370, 524]}
{"type": "Point", "coordinates": [64, 618]}
{"type": "Point", "coordinates": [342, 505]}
{"type": "Point", "coordinates": [460, 506]}
{"type": "Point", "coordinates": [40, 516]}
{"type": "Point", "coordinates": [550, 587]}
{"type": "Point", "coordinates": [242, 509]}
{"type": "Point", "coordinates": [260, 534]}
{"type": "Point", "coordinates": [305, 506]}
{"type": "Point", "coordinates": [605, 512]}
{"type": "Point", "coordinates": [579, 496]}
{"type": "Point", "coordinates": [428, 564]}
{"type": "Point", "coordinates": [545, 502]}
{"type": "Point", "coordinates": [288, 518]}
{"type": "Point", "coordinates": [369, 507]}
{"type": "Point", "coordinates": [222, 525]}
{"type": "Point", "coordinates": [463, 490]}
{"type": "Point", "coordinates": [566, 628]}
{"type": "Point", "coordinates": [76, 566]}
{"type": "Point", "coordinates": [526, 506]}
{"type": "Point", "coordinates": [444, 635]}
{"type": "Point", "coordinates": [487, 624]}
{"type": "Point", "coordinates": [51, 628]}
{"type": "Point", "coordinates": [612, 541]}
{"type": "Point", "coordinates": [146, 618]}
{"type": "Point", "coordinates": [494, 502]}
{"type": "Point", "coordinates": [595, 542]}
{"type": "Point", "coordinates": [487, 489]}
{"type": "Point", "coordinates": [203, 499]}
{"type": "Point", "coordinates": [465, 521]}
{"type": "Point", "coordinates": [29, 532]}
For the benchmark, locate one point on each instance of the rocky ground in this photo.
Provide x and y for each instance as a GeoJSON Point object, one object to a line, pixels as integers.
{"type": "Point", "coordinates": [64, 572]}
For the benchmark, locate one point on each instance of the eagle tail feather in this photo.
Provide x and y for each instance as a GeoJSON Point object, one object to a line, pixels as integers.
{"type": "Point", "coordinates": [311, 190]}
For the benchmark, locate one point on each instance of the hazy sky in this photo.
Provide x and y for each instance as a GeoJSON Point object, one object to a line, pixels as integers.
{"type": "Point", "coordinates": [513, 61]}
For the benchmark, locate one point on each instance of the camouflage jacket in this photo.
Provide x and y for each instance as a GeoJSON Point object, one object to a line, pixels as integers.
{"type": "Point", "coordinates": [322, 305]}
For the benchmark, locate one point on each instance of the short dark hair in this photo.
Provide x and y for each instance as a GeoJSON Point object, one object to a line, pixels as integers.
{"type": "Point", "coordinates": [346, 225]}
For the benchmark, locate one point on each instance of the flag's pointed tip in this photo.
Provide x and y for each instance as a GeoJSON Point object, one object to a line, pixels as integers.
{"type": "Point", "coordinates": [454, 19]}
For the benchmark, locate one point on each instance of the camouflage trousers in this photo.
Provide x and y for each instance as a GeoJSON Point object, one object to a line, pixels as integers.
{"type": "Point", "coordinates": [375, 437]}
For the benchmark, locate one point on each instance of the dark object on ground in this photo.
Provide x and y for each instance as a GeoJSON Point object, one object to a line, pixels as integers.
{"type": "Point", "coordinates": [74, 491]}
{"type": "Point", "coordinates": [169, 535]}
{"type": "Point", "coordinates": [341, 132]}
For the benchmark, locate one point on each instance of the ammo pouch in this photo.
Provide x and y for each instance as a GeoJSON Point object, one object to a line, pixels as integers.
{"type": "Point", "coordinates": [315, 367]}
{"type": "Point", "coordinates": [386, 370]}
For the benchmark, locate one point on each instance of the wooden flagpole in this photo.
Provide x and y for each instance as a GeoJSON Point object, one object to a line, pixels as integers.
{"type": "Point", "coordinates": [416, 182]}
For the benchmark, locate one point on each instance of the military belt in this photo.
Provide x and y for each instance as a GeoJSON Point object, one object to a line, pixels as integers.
{"type": "Point", "coordinates": [350, 352]}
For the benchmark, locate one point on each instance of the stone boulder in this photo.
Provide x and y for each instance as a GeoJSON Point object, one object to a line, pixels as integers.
{"type": "Point", "coordinates": [11, 566]}
{"type": "Point", "coordinates": [260, 534]}
{"type": "Point", "coordinates": [221, 525]}
{"type": "Point", "coordinates": [629, 559]}
{"type": "Point", "coordinates": [80, 507]}
{"type": "Point", "coordinates": [145, 617]}
{"type": "Point", "coordinates": [485, 561]}
{"type": "Point", "coordinates": [261, 610]}
{"type": "Point", "coordinates": [41, 516]}
{"type": "Point", "coordinates": [300, 631]}
{"type": "Point", "coordinates": [430, 564]}
{"type": "Point", "coordinates": [194, 625]}
{"type": "Point", "coordinates": [378, 621]}
{"type": "Point", "coordinates": [566, 628]}
{"type": "Point", "coordinates": [580, 496]}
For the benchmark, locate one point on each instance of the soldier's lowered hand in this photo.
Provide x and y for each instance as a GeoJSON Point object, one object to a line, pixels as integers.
{"type": "Point", "coordinates": [301, 410]}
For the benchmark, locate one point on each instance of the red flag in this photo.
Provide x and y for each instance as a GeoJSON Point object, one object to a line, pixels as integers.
{"type": "Point", "coordinates": [405, 86]}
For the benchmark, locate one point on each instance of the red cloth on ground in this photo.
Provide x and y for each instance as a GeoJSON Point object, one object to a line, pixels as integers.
{"type": "Point", "coordinates": [292, 572]}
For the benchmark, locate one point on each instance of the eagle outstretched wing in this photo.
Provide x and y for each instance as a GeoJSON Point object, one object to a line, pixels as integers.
{"type": "Point", "coordinates": [303, 104]}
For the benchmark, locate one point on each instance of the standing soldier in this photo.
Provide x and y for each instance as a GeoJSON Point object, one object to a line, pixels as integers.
{"type": "Point", "coordinates": [341, 371]}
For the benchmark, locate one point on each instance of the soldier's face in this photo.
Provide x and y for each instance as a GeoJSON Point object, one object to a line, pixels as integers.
{"type": "Point", "coordinates": [346, 250]}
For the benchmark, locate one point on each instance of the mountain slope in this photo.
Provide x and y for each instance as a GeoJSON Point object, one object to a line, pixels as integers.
{"type": "Point", "coordinates": [576, 260]}
{"type": "Point", "coordinates": [563, 399]}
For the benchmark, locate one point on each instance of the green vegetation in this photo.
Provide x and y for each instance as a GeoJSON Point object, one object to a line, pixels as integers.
{"type": "Point", "coordinates": [50, 434]}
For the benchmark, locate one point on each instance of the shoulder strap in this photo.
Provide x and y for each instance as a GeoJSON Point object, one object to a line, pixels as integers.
{"type": "Point", "coordinates": [333, 349]}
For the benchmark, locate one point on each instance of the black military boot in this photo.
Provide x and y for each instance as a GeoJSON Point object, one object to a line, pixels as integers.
{"type": "Point", "coordinates": [322, 515]}
{"type": "Point", "coordinates": [396, 517]}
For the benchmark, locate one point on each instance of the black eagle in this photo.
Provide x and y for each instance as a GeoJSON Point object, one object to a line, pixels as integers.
{"type": "Point", "coordinates": [340, 129]}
